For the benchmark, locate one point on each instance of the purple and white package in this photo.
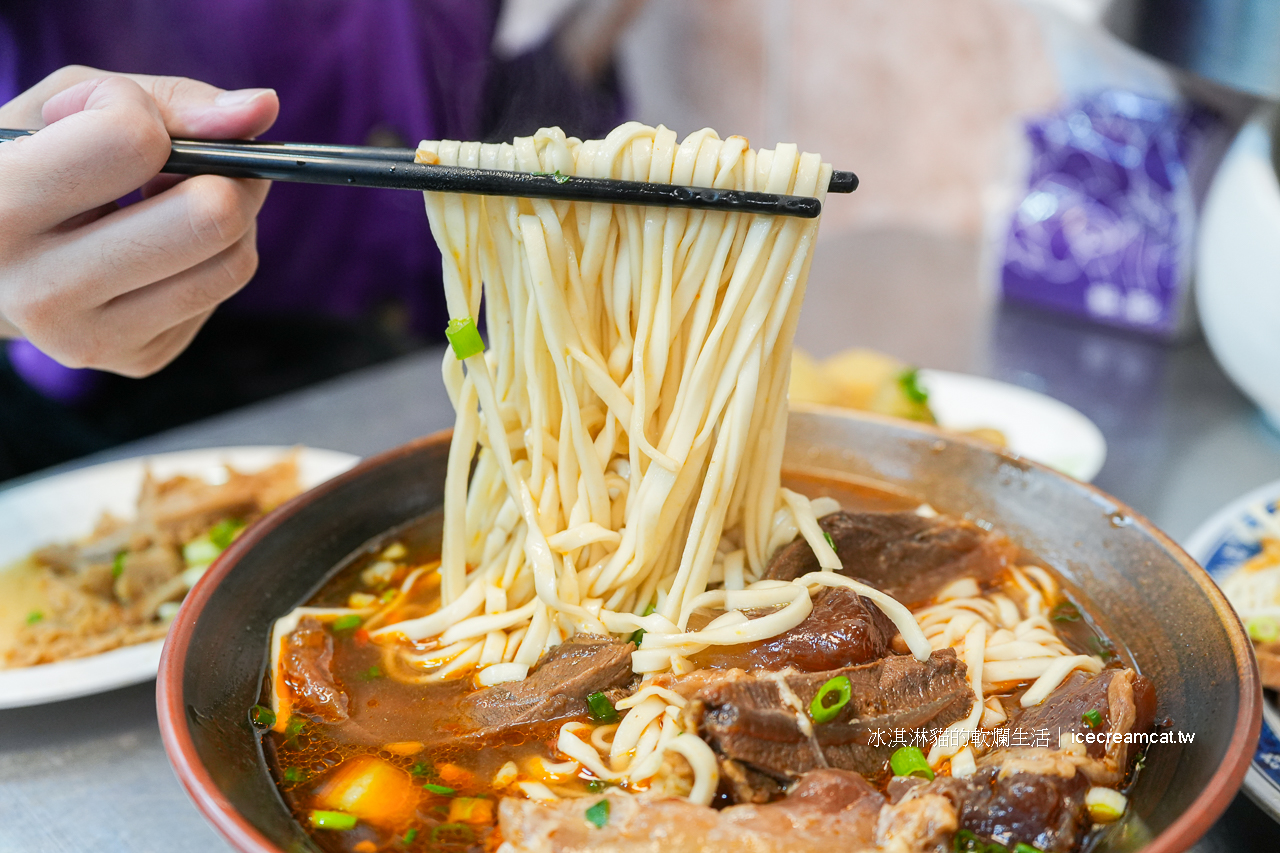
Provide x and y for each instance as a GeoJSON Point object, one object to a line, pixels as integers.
{"type": "Point", "coordinates": [1105, 228]}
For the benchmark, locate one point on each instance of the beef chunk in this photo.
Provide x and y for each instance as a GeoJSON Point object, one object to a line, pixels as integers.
{"type": "Point", "coordinates": [1125, 702]}
{"type": "Point", "coordinates": [556, 688]}
{"type": "Point", "coordinates": [826, 810]}
{"type": "Point", "coordinates": [844, 629]}
{"type": "Point", "coordinates": [1063, 711]}
{"type": "Point", "coordinates": [743, 784]}
{"type": "Point", "coordinates": [908, 556]}
{"type": "Point", "coordinates": [753, 720]}
{"type": "Point", "coordinates": [1045, 811]}
{"type": "Point", "coordinates": [307, 660]}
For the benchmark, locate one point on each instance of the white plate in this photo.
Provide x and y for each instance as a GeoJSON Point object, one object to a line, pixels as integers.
{"type": "Point", "coordinates": [1221, 545]}
{"type": "Point", "coordinates": [66, 506]}
{"type": "Point", "coordinates": [1036, 426]}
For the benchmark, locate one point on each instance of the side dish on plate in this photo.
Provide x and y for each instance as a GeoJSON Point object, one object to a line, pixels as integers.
{"type": "Point", "coordinates": [122, 584]}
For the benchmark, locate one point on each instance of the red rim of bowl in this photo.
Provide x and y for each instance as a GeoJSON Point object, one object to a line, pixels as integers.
{"type": "Point", "coordinates": [195, 778]}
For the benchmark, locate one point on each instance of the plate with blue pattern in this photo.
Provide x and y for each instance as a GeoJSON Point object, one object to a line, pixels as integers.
{"type": "Point", "coordinates": [1230, 538]}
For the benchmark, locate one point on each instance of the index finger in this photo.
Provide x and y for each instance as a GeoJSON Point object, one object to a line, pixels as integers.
{"type": "Point", "coordinates": [187, 107]}
{"type": "Point", "coordinates": [110, 146]}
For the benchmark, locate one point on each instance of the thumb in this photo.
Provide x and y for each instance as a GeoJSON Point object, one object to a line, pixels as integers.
{"type": "Point", "coordinates": [190, 108]}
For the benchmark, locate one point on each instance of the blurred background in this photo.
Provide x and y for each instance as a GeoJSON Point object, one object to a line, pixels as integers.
{"type": "Point", "coordinates": [1037, 180]}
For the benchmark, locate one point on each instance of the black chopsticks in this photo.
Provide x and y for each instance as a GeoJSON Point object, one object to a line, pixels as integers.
{"type": "Point", "coordinates": [394, 168]}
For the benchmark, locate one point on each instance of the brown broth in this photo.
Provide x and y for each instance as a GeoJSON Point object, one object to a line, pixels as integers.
{"type": "Point", "coordinates": [384, 711]}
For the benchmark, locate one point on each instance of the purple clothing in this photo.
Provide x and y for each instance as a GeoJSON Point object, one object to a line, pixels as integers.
{"type": "Point", "coordinates": [345, 72]}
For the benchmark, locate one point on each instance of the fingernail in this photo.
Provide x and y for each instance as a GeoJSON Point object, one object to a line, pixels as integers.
{"type": "Point", "coordinates": [239, 97]}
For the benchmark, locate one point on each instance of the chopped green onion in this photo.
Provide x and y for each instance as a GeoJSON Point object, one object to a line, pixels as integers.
{"type": "Point", "coordinates": [222, 534]}
{"type": "Point", "coordinates": [830, 699]}
{"type": "Point", "coordinates": [295, 774]}
{"type": "Point", "coordinates": [1263, 629]}
{"type": "Point", "coordinates": [600, 709]}
{"type": "Point", "coordinates": [650, 610]}
{"type": "Point", "coordinates": [261, 715]}
{"type": "Point", "coordinates": [464, 338]}
{"type": "Point", "coordinates": [371, 673]}
{"type": "Point", "coordinates": [595, 786]}
{"type": "Point", "coordinates": [909, 382]}
{"type": "Point", "coordinates": [421, 769]}
{"type": "Point", "coordinates": [966, 842]}
{"type": "Point", "coordinates": [831, 542]}
{"type": "Point", "coordinates": [637, 636]}
{"type": "Point", "coordinates": [1092, 718]}
{"type": "Point", "coordinates": [910, 761]}
{"type": "Point", "coordinates": [1102, 648]}
{"type": "Point", "coordinates": [1105, 804]}
{"type": "Point", "coordinates": [410, 835]}
{"type": "Point", "coordinates": [455, 832]}
{"type": "Point", "coordinates": [442, 790]}
{"type": "Point", "coordinates": [200, 552]}
{"type": "Point", "coordinates": [117, 564]}
{"type": "Point", "coordinates": [1065, 612]}
{"type": "Point", "coordinates": [598, 815]}
{"type": "Point", "coordinates": [294, 727]}
{"type": "Point", "coordinates": [34, 616]}
{"type": "Point", "coordinates": [1023, 847]}
{"type": "Point", "coordinates": [388, 596]}
{"type": "Point", "coordinates": [332, 820]}
{"type": "Point", "coordinates": [347, 623]}
{"type": "Point", "coordinates": [560, 177]}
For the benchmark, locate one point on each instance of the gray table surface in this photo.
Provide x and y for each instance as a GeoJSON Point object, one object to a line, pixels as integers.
{"type": "Point", "coordinates": [91, 774]}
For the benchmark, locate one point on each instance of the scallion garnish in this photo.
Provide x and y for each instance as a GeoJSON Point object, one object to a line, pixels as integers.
{"type": "Point", "coordinates": [831, 697]}
{"type": "Point", "coordinates": [225, 532]}
{"type": "Point", "coordinates": [1023, 847]}
{"type": "Point", "coordinates": [561, 177]}
{"type": "Point", "coordinates": [421, 769]}
{"type": "Point", "coordinates": [598, 815]}
{"type": "Point", "coordinates": [1263, 629]}
{"type": "Point", "coordinates": [1065, 612]}
{"type": "Point", "coordinates": [1092, 718]}
{"type": "Point", "coordinates": [117, 563]}
{"type": "Point", "coordinates": [340, 821]}
{"type": "Point", "coordinates": [455, 832]}
{"type": "Point", "coordinates": [1102, 648]}
{"type": "Point", "coordinates": [34, 616]}
{"type": "Point", "coordinates": [966, 842]}
{"type": "Point", "coordinates": [442, 790]}
{"type": "Point", "coordinates": [464, 337]}
{"type": "Point", "coordinates": [909, 382]}
{"type": "Point", "coordinates": [371, 673]}
{"type": "Point", "coordinates": [595, 786]}
{"type": "Point", "coordinates": [295, 774]}
{"type": "Point", "coordinates": [346, 623]}
{"type": "Point", "coordinates": [410, 835]}
{"type": "Point", "coordinates": [261, 715]}
{"type": "Point", "coordinates": [830, 542]}
{"type": "Point", "coordinates": [910, 761]}
{"type": "Point", "coordinates": [637, 636]}
{"type": "Point", "coordinates": [600, 709]}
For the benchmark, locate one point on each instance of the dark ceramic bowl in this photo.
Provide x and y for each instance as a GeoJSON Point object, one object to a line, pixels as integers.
{"type": "Point", "coordinates": [1143, 590]}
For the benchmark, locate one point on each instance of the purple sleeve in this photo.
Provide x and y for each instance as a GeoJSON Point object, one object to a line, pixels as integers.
{"type": "Point", "coordinates": [535, 90]}
{"type": "Point", "coordinates": [8, 62]}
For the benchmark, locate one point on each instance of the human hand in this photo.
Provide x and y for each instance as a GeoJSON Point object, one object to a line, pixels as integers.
{"type": "Point", "coordinates": [121, 289]}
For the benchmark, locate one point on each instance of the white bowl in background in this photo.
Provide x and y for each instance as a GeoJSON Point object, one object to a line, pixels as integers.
{"type": "Point", "coordinates": [1238, 269]}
